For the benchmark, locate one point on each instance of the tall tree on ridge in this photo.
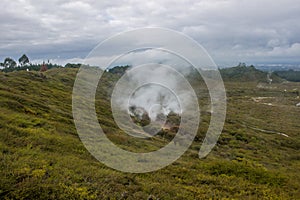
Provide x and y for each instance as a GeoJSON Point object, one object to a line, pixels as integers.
{"type": "Point", "coordinates": [23, 60]}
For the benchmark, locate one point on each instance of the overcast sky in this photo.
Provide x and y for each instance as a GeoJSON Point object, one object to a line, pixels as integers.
{"type": "Point", "coordinates": [232, 31]}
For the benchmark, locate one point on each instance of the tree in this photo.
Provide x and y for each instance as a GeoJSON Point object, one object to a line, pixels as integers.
{"type": "Point", "coordinates": [9, 63]}
{"type": "Point", "coordinates": [43, 67]}
{"type": "Point", "coordinates": [69, 65]}
{"type": "Point", "coordinates": [242, 64]}
{"type": "Point", "coordinates": [23, 60]}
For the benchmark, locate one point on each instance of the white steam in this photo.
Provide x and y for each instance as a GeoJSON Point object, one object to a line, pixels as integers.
{"type": "Point", "coordinates": [155, 88]}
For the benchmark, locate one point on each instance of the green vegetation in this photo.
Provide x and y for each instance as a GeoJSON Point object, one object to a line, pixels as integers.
{"type": "Point", "coordinates": [120, 70]}
{"type": "Point", "coordinates": [247, 73]}
{"type": "Point", "coordinates": [290, 75]}
{"type": "Point", "coordinates": [43, 158]}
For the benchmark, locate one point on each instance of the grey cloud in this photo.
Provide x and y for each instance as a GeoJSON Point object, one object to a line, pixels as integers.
{"type": "Point", "coordinates": [231, 30]}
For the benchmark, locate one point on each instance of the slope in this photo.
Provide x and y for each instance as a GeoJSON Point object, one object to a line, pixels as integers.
{"type": "Point", "coordinates": [43, 158]}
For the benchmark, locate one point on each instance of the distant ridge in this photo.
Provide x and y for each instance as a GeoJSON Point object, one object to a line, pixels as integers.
{"type": "Point", "coordinates": [240, 73]}
{"type": "Point", "coordinates": [290, 75]}
{"type": "Point", "coordinates": [248, 74]}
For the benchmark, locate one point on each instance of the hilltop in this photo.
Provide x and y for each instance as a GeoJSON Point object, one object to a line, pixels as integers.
{"type": "Point", "coordinates": [42, 157]}
{"type": "Point", "coordinates": [245, 73]}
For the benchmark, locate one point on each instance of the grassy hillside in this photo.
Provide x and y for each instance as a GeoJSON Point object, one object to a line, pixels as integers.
{"type": "Point", "coordinates": [257, 155]}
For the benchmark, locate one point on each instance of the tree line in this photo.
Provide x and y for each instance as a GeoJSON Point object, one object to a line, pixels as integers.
{"type": "Point", "coordinates": [9, 65]}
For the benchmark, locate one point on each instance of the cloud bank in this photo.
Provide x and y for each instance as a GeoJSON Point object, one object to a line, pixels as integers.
{"type": "Point", "coordinates": [231, 30]}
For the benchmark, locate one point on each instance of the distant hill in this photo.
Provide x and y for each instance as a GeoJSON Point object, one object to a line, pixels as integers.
{"type": "Point", "coordinates": [246, 74]}
{"type": "Point", "coordinates": [290, 75]}
{"type": "Point", "coordinates": [239, 73]}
